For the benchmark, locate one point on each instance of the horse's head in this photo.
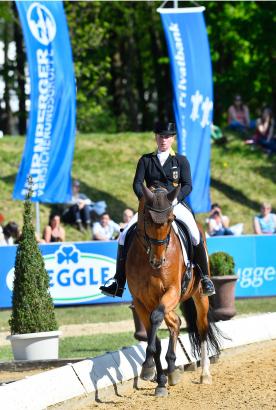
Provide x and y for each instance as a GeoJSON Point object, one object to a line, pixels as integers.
{"type": "Point", "coordinates": [158, 218]}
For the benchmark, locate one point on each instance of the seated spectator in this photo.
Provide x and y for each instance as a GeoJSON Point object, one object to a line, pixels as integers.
{"type": "Point", "coordinates": [127, 216]}
{"type": "Point", "coordinates": [264, 128]}
{"type": "Point", "coordinates": [10, 234]}
{"type": "Point", "coordinates": [105, 229]}
{"type": "Point", "coordinates": [78, 210]}
{"type": "Point", "coordinates": [238, 115]}
{"type": "Point", "coordinates": [218, 224]}
{"type": "Point", "coordinates": [223, 222]}
{"type": "Point", "coordinates": [265, 223]}
{"type": "Point", "coordinates": [54, 232]}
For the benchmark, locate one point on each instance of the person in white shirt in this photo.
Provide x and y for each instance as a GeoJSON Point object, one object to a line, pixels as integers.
{"type": "Point", "coordinates": [105, 229]}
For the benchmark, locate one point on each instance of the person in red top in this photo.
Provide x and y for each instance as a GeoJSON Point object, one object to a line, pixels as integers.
{"type": "Point", "coordinates": [238, 115]}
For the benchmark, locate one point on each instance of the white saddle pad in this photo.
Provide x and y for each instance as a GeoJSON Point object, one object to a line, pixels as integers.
{"type": "Point", "coordinates": [185, 256]}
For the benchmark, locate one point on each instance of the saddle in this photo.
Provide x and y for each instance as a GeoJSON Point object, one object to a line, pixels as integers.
{"type": "Point", "coordinates": [129, 237]}
{"type": "Point", "coordinates": [186, 243]}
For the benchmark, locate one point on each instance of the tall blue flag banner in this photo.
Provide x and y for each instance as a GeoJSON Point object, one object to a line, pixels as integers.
{"type": "Point", "coordinates": [191, 75]}
{"type": "Point", "coordinates": [50, 140]}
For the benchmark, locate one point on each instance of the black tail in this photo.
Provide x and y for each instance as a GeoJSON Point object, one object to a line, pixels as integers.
{"type": "Point", "coordinates": [213, 335]}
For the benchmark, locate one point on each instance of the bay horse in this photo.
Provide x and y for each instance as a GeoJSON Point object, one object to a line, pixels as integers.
{"type": "Point", "coordinates": [155, 268]}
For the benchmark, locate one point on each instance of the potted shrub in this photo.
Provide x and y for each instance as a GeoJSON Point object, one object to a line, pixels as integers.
{"type": "Point", "coordinates": [222, 267]}
{"type": "Point", "coordinates": [34, 334]}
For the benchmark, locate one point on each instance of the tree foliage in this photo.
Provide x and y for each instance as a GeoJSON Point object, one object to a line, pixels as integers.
{"type": "Point", "coordinates": [122, 66]}
{"type": "Point", "coordinates": [32, 306]}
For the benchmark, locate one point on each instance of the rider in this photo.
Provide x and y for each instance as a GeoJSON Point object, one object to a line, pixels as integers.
{"type": "Point", "coordinates": [168, 169]}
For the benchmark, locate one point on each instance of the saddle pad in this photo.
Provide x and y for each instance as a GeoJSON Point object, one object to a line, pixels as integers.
{"type": "Point", "coordinates": [184, 252]}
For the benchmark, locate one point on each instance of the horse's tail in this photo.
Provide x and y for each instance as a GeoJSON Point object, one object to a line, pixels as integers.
{"type": "Point", "coordinates": [213, 335]}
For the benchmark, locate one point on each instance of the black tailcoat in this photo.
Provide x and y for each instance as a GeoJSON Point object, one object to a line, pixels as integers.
{"type": "Point", "coordinates": [175, 171]}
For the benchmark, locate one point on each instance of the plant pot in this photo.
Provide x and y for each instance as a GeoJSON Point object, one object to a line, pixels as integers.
{"type": "Point", "coordinates": [223, 302]}
{"type": "Point", "coordinates": [35, 346]}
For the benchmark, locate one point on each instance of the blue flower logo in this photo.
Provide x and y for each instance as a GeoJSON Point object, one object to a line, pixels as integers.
{"type": "Point", "coordinates": [67, 254]}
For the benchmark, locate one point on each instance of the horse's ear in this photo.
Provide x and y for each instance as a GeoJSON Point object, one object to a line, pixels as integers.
{"type": "Point", "coordinates": [174, 193]}
{"type": "Point", "coordinates": [147, 194]}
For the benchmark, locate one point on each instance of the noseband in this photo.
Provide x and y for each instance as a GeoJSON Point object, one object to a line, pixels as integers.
{"type": "Point", "coordinates": [152, 241]}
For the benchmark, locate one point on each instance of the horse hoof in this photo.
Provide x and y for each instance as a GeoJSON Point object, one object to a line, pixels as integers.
{"type": "Point", "coordinates": [161, 392]}
{"type": "Point", "coordinates": [174, 377]}
{"type": "Point", "coordinates": [206, 379]}
{"type": "Point", "coordinates": [147, 373]}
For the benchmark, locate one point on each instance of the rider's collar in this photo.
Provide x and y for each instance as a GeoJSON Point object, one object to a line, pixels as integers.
{"type": "Point", "coordinates": [172, 153]}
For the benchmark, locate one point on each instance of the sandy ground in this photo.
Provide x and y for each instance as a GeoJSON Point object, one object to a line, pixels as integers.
{"type": "Point", "coordinates": [244, 378]}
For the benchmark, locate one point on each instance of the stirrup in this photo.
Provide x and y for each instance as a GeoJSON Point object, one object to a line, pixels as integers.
{"type": "Point", "coordinates": [118, 291]}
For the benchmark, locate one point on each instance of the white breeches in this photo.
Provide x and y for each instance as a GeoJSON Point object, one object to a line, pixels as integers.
{"type": "Point", "coordinates": [182, 213]}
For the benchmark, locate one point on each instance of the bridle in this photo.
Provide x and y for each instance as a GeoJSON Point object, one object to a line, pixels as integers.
{"type": "Point", "coordinates": [152, 241]}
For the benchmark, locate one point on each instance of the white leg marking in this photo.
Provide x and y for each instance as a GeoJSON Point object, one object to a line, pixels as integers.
{"type": "Point", "coordinates": [205, 365]}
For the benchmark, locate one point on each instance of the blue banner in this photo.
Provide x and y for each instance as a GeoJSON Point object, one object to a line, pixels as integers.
{"type": "Point", "coordinates": [77, 270]}
{"type": "Point", "coordinates": [50, 140]}
{"type": "Point", "coordinates": [191, 75]}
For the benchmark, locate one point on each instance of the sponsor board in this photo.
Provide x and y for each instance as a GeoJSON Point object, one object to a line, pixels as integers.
{"type": "Point", "coordinates": [77, 270]}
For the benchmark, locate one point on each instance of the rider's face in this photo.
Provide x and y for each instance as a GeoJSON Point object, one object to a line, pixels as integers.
{"type": "Point", "coordinates": [164, 143]}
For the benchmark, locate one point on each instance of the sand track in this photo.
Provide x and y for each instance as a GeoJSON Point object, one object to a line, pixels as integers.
{"type": "Point", "coordinates": [244, 378]}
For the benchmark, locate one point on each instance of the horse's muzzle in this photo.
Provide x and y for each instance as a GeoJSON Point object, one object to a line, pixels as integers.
{"type": "Point", "coordinates": [157, 263]}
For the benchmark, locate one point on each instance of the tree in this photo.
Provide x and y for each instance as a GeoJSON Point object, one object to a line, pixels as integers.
{"type": "Point", "coordinates": [32, 306]}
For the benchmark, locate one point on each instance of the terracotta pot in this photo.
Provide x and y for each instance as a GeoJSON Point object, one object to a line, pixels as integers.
{"type": "Point", "coordinates": [223, 302]}
{"type": "Point", "coordinates": [140, 331]}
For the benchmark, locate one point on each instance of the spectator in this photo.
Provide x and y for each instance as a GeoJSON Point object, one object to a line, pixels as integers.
{"type": "Point", "coordinates": [54, 232]}
{"type": "Point", "coordinates": [105, 229]}
{"type": "Point", "coordinates": [238, 115]}
{"type": "Point", "coordinates": [265, 223]}
{"type": "Point", "coordinates": [264, 128]}
{"type": "Point", "coordinates": [78, 211]}
{"type": "Point", "coordinates": [127, 216]}
{"type": "Point", "coordinates": [10, 234]}
{"type": "Point", "coordinates": [216, 226]}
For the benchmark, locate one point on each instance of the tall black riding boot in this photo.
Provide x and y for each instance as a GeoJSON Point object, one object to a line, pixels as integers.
{"type": "Point", "coordinates": [200, 259]}
{"type": "Point", "coordinates": [118, 286]}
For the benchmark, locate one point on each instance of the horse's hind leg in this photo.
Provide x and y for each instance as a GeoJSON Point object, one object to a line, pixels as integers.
{"type": "Point", "coordinates": [202, 307]}
{"type": "Point", "coordinates": [173, 323]}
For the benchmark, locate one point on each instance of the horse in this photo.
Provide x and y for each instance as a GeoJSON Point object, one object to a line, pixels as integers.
{"type": "Point", "coordinates": [155, 269]}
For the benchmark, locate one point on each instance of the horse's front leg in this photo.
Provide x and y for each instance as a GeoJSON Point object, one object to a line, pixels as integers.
{"type": "Point", "coordinates": [173, 323]}
{"type": "Point", "coordinates": [154, 350]}
{"type": "Point", "coordinates": [148, 367]}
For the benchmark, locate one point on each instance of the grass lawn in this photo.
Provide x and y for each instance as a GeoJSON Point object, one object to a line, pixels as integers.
{"type": "Point", "coordinates": [121, 311]}
{"type": "Point", "coordinates": [84, 346]}
{"type": "Point", "coordinates": [91, 346]}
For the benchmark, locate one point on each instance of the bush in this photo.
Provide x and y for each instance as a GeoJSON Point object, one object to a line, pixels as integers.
{"type": "Point", "coordinates": [221, 264]}
{"type": "Point", "coordinates": [32, 306]}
